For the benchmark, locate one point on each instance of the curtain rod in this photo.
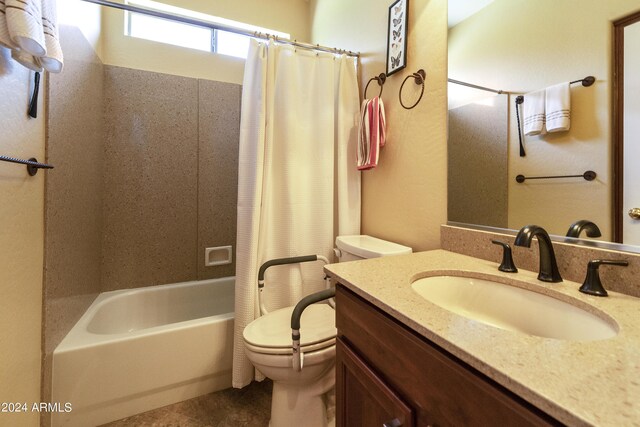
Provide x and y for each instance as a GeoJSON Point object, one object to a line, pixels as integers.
{"type": "Point", "coordinates": [458, 82]}
{"type": "Point", "coordinates": [222, 27]}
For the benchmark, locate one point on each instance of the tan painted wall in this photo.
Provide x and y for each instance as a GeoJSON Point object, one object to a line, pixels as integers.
{"type": "Point", "coordinates": [405, 198]}
{"type": "Point", "coordinates": [86, 16]}
{"type": "Point", "coordinates": [520, 54]}
{"type": "Point", "coordinates": [289, 16]}
{"type": "Point", "coordinates": [21, 244]}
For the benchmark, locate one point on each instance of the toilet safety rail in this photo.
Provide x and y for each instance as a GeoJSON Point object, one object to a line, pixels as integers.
{"type": "Point", "coordinates": [284, 261]}
{"type": "Point", "coordinates": [298, 356]}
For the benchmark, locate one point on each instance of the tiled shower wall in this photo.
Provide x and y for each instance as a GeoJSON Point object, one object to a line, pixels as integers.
{"type": "Point", "coordinates": [171, 155]}
{"type": "Point", "coordinates": [73, 193]}
{"type": "Point", "coordinates": [170, 177]}
{"type": "Point", "coordinates": [145, 180]}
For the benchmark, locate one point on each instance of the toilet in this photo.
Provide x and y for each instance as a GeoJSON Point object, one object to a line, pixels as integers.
{"type": "Point", "coordinates": [306, 398]}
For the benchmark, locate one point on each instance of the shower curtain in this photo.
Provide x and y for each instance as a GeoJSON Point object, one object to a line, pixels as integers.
{"type": "Point", "coordinates": [298, 186]}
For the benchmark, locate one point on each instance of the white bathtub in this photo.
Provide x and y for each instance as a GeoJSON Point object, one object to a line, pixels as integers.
{"type": "Point", "coordinates": [139, 349]}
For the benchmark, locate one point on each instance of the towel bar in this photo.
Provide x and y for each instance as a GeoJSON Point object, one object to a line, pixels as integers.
{"type": "Point", "coordinates": [32, 164]}
{"type": "Point", "coordinates": [588, 176]}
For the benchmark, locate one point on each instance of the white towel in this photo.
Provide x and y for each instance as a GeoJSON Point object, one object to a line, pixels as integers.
{"type": "Point", "coordinates": [52, 61]}
{"type": "Point", "coordinates": [26, 59]}
{"type": "Point", "coordinates": [24, 20]}
{"type": "Point", "coordinates": [534, 112]}
{"type": "Point", "coordinates": [558, 107]}
{"type": "Point", "coordinates": [5, 37]}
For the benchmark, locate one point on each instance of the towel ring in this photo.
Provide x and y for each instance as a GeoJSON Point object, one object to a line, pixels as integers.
{"type": "Point", "coordinates": [419, 77]}
{"type": "Point", "coordinates": [380, 78]}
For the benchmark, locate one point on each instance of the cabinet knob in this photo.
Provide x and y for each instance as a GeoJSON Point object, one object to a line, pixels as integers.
{"type": "Point", "coordinates": [634, 213]}
{"type": "Point", "coordinates": [393, 423]}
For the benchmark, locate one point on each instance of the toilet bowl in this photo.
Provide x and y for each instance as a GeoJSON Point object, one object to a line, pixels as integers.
{"type": "Point", "coordinates": [306, 397]}
{"type": "Point", "coordinates": [299, 397]}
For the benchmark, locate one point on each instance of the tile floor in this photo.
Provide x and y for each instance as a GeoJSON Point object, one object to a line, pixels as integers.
{"type": "Point", "coordinates": [250, 406]}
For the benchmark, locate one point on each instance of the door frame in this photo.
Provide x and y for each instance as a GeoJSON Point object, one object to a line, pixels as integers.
{"type": "Point", "coordinates": [618, 122]}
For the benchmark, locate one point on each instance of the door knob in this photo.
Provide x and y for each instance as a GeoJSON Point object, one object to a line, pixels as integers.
{"type": "Point", "coordinates": [634, 213]}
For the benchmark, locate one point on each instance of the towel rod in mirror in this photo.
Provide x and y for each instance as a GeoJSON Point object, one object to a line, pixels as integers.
{"type": "Point", "coordinates": [588, 176]}
{"type": "Point", "coordinates": [32, 164]}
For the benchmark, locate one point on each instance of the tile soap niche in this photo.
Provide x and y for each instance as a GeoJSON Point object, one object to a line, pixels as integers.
{"type": "Point", "coordinates": [219, 255]}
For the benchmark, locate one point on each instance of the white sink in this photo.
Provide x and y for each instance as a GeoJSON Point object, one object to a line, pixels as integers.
{"type": "Point", "coordinates": [514, 309]}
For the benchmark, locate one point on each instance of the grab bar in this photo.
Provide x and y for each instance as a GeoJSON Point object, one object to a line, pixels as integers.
{"type": "Point", "coordinates": [282, 261]}
{"type": "Point", "coordinates": [32, 164]}
{"type": "Point", "coordinates": [305, 302]}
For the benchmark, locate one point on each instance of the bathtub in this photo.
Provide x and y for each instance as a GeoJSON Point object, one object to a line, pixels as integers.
{"type": "Point", "coordinates": [139, 349]}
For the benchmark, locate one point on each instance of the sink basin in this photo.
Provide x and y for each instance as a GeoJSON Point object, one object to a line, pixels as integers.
{"type": "Point", "coordinates": [514, 309]}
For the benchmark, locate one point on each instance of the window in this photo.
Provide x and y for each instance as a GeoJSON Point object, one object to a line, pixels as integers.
{"type": "Point", "coordinates": [187, 35]}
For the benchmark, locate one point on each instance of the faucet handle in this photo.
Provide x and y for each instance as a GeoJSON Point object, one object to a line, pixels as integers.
{"type": "Point", "coordinates": [507, 265]}
{"type": "Point", "coordinates": [592, 284]}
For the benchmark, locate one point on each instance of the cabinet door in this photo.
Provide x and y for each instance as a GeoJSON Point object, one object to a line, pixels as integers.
{"type": "Point", "coordinates": [363, 399]}
{"type": "Point", "coordinates": [440, 389]}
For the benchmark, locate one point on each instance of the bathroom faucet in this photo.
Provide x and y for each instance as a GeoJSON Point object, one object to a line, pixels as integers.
{"type": "Point", "coordinates": [548, 266]}
{"type": "Point", "coordinates": [589, 227]}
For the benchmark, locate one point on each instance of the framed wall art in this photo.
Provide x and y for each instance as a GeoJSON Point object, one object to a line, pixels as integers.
{"type": "Point", "coordinates": [397, 36]}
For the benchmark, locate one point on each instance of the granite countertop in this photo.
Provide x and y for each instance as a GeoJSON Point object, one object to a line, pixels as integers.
{"type": "Point", "coordinates": [577, 382]}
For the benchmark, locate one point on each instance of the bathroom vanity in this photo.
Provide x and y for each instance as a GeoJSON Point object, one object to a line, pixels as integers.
{"type": "Point", "coordinates": [402, 360]}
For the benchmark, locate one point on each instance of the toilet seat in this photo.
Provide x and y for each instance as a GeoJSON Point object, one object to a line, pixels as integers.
{"type": "Point", "coordinates": [271, 333]}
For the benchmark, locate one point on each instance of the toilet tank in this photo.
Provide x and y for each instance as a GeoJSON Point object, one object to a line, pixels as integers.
{"type": "Point", "coordinates": [351, 248]}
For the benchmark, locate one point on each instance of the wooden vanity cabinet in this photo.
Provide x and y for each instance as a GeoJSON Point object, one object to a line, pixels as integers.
{"type": "Point", "coordinates": [387, 375]}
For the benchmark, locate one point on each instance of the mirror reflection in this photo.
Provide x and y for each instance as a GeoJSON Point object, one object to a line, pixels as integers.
{"type": "Point", "coordinates": [517, 48]}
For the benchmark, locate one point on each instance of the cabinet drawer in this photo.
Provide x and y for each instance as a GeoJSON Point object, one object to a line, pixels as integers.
{"type": "Point", "coordinates": [441, 389]}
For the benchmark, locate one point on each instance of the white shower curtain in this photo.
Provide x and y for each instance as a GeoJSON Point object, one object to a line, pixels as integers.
{"type": "Point", "coordinates": [298, 186]}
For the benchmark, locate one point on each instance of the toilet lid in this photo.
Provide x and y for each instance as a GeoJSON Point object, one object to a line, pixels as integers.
{"type": "Point", "coordinates": [273, 330]}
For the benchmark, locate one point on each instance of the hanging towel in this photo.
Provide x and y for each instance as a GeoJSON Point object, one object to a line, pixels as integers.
{"type": "Point", "coordinates": [26, 59]}
{"type": "Point", "coordinates": [24, 20]}
{"type": "Point", "coordinates": [558, 107]}
{"type": "Point", "coordinates": [534, 109]}
{"type": "Point", "coordinates": [363, 134]}
{"type": "Point", "coordinates": [372, 133]}
{"type": "Point", "coordinates": [52, 61]}
{"type": "Point", "coordinates": [5, 37]}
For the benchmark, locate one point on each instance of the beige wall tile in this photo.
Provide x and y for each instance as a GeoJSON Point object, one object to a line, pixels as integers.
{"type": "Point", "coordinates": [73, 193]}
{"type": "Point", "coordinates": [151, 167]}
{"type": "Point", "coordinates": [219, 133]}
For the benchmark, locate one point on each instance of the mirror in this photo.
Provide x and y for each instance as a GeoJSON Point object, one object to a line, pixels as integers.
{"type": "Point", "coordinates": [516, 47]}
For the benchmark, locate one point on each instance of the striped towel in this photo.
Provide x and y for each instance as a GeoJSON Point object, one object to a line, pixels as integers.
{"type": "Point", "coordinates": [558, 107]}
{"type": "Point", "coordinates": [371, 134]}
{"type": "Point", "coordinates": [30, 29]}
{"type": "Point", "coordinates": [24, 19]}
{"type": "Point", "coordinates": [5, 37]}
{"type": "Point", "coordinates": [534, 117]}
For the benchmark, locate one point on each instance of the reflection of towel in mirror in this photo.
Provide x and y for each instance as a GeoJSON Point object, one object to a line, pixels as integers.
{"type": "Point", "coordinates": [52, 61]}
{"type": "Point", "coordinates": [533, 113]}
{"type": "Point", "coordinates": [30, 29]}
{"type": "Point", "coordinates": [5, 38]}
{"type": "Point", "coordinates": [371, 134]}
{"type": "Point", "coordinates": [26, 60]}
{"type": "Point", "coordinates": [24, 19]}
{"type": "Point", "coordinates": [558, 107]}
